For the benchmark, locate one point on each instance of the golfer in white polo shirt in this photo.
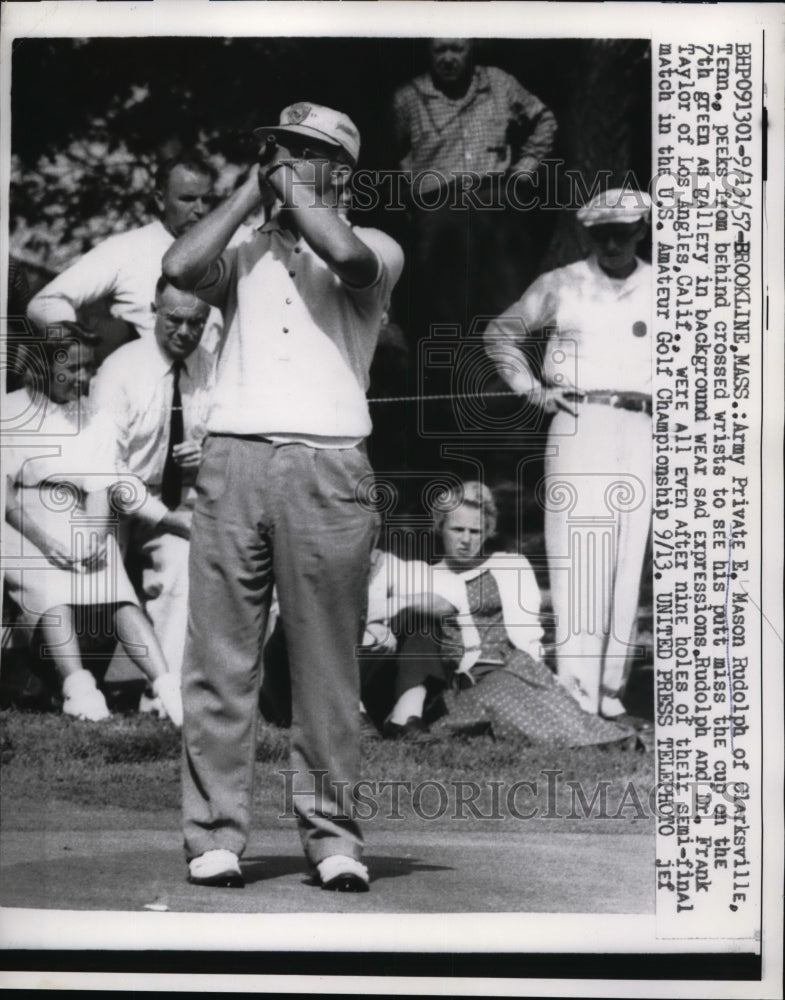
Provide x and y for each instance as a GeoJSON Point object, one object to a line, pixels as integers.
{"type": "Point", "coordinates": [596, 380]}
{"type": "Point", "coordinates": [277, 494]}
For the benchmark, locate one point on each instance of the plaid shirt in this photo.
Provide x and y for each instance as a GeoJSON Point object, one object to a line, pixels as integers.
{"type": "Point", "coordinates": [497, 126]}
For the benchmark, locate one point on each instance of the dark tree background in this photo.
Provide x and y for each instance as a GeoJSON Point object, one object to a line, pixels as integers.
{"type": "Point", "coordinates": [90, 117]}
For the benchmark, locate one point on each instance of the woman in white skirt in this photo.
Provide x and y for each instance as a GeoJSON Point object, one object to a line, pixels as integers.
{"type": "Point", "coordinates": [59, 547]}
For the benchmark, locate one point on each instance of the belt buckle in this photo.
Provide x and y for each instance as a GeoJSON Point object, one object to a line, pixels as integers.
{"type": "Point", "coordinates": [616, 401]}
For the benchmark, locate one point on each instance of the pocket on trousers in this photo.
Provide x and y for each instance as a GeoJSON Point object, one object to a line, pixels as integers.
{"type": "Point", "coordinates": [340, 473]}
{"type": "Point", "coordinates": [212, 478]}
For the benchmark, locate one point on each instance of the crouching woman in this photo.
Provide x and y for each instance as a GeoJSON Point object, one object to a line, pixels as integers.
{"type": "Point", "coordinates": [61, 561]}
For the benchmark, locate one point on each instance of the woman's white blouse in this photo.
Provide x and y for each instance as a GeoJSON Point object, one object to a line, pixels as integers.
{"type": "Point", "coordinates": [520, 596]}
{"type": "Point", "coordinates": [55, 442]}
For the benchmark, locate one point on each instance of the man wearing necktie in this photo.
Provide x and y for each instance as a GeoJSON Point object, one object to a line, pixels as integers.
{"type": "Point", "coordinates": [157, 392]}
{"type": "Point", "coordinates": [172, 479]}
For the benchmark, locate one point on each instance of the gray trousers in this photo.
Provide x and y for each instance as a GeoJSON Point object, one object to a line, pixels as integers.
{"type": "Point", "coordinates": [289, 515]}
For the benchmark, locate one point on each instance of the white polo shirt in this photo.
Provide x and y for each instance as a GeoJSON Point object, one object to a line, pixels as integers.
{"type": "Point", "coordinates": [298, 342]}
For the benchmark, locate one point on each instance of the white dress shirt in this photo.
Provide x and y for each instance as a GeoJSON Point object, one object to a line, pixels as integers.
{"type": "Point", "coordinates": [135, 386]}
{"type": "Point", "coordinates": [123, 269]}
{"type": "Point", "coordinates": [598, 329]}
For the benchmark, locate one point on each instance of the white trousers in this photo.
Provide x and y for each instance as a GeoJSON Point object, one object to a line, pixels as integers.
{"type": "Point", "coordinates": [597, 499]}
{"type": "Point", "coordinates": [164, 559]}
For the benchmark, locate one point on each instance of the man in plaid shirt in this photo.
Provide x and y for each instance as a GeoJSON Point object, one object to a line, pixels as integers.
{"type": "Point", "coordinates": [472, 139]}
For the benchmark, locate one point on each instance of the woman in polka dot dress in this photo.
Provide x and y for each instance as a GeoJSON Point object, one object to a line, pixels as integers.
{"type": "Point", "coordinates": [491, 657]}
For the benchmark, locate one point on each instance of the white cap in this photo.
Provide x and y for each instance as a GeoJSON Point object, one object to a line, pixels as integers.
{"type": "Point", "coordinates": [317, 122]}
{"type": "Point", "coordinates": [617, 205]}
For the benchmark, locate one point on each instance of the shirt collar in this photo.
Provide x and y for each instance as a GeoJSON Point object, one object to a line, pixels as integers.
{"type": "Point", "coordinates": [159, 222]}
{"type": "Point", "coordinates": [165, 363]}
{"type": "Point", "coordinates": [466, 574]}
{"type": "Point", "coordinates": [274, 225]}
{"type": "Point", "coordinates": [634, 278]}
{"type": "Point", "coordinates": [495, 561]}
{"type": "Point", "coordinates": [478, 82]}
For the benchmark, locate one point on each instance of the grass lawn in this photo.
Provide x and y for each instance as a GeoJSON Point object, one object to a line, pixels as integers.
{"type": "Point", "coordinates": [53, 766]}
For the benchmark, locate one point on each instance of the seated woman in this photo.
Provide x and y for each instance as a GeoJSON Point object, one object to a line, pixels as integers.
{"type": "Point", "coordinates": [489, 664]}
{"type": "Point", "coordinates": [61, 559]}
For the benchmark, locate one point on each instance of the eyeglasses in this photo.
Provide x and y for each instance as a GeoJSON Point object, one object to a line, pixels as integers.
{"type": "Point", "coordinates": [174, 322]}
{"type": "Point", "coordinates": [307, 153]}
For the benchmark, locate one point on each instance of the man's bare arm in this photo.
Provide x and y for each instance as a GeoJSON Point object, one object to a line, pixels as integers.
{"type": "Point", "coordinates": [191, 256]}
{"type": "Point", "coordinates": [322, 227]}
{"type": "Point", "coordinates": [501, 345]}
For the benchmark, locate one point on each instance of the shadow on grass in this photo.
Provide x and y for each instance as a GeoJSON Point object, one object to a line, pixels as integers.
{"type": "Point", "coordinates": [265, 869]}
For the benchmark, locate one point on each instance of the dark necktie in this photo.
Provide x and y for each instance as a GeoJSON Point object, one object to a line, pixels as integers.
{"type": "Point", "coordinates": [172, 480]}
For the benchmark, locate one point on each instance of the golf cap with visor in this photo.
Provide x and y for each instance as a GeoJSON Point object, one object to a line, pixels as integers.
{"type": "Point", "coordinates": [315, 122]}
{"type": "Point", "coordinates": [619, 205]}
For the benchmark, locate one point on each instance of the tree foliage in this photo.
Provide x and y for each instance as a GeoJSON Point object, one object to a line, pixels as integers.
{"type": "Point", "coordinates": [91, 117]}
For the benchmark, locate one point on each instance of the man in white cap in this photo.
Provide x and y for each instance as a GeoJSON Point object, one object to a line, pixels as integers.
{"type": "Point", "coordinates": [278, 494]}
{"type": "Point", "coordinates": [596, 381]}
